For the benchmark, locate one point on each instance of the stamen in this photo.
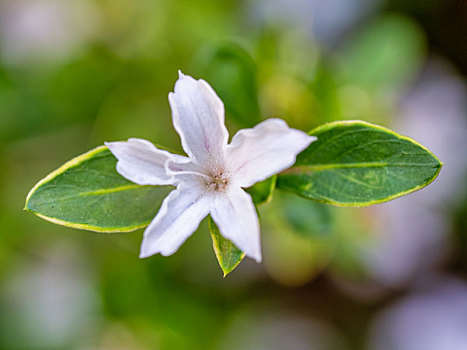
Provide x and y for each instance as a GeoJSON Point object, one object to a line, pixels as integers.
{"type": "Point", "coordinates": [218, 182]}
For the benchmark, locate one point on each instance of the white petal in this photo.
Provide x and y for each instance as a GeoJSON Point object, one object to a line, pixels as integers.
{"type": "Point", "coordinates": [187, 172]}
{"type": "Point", "coordinates": [143, 163]}
{"type": "Point", "coordinates": [258, 153]}
{"type": "Point", "coordinates": [235, 215]}
{"type": "Point", "coordinates": [198, 117]}
{"type": "Point", "coordinates": [179, 216]}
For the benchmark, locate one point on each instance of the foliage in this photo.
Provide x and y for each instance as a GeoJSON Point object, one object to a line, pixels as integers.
{"type": "Point", "coordinates": [352, 164]}
{"type": "Point", "coordinates": [63, 288]}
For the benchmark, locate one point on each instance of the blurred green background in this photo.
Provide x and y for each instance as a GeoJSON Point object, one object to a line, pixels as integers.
{"type": "Point", "coordinates": [76, 73]}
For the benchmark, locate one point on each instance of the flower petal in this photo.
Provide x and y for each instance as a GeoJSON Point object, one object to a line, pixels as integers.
{"type": "Point", "coordinates": [198, 117]}
{"type": "Point", "coordinates": [179, 216]}
{"type": "Point", "coordinates": [187, 172]}
{"type": "Point", "coordinates": [268, 148]}
{"type": "Point", "coordinates": [235, 215]}
{"type": "Point", "coordinates": [142, 162]}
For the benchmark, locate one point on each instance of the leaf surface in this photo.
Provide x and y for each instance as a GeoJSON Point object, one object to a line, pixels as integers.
{"type": "Point", "coordinates": [88, 193]}
{"type": "Point", "coordinates": [354, 163]}
{"type": "Point", "coordinates": [261, 192]}
{"type": "Point", "coordinates": [227, 254]}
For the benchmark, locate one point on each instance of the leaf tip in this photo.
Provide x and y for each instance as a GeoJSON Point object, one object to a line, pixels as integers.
{"type": "Point", "coordinates": [227, 271]}
{"type": "Point", "coordinates": [26, 205]}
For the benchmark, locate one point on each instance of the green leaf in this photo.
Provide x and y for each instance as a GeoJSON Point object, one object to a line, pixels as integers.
{"type": "Point", "coordinates": [227, 254]}
{"type": "Point", "coordinates": [88, 193]}
{"type": "Point", "coordinates": [232, 73]}
{"type": "Point", "coordinates": [307, 218]}
{"type": "Point", "coordinates": [387, 53]}
{"type": "Point", "coordinates": [354, 163]}
{"type": "Point", "coordinates": [261, 192]}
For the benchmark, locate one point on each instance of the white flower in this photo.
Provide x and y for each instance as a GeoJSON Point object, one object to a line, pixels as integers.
{"type": "Point", "coordinates": [210, 179]}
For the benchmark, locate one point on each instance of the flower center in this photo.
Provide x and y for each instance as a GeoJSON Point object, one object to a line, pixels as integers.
{"type": "Point", "coordinates": [218, 182]}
